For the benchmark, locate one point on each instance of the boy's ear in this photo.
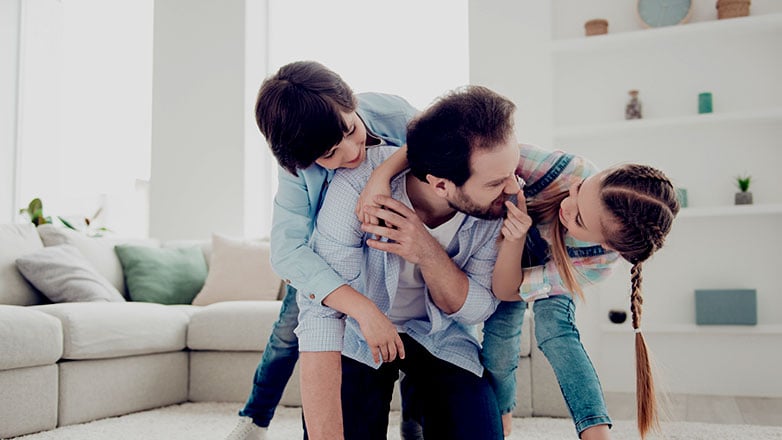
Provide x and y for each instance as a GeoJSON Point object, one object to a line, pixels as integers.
{"type": "Point", "coordinates": [441, 186]}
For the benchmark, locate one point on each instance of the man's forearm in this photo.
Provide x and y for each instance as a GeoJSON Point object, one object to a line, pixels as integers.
{"type": "Point", "coordinates": [448, 285]}
{"type": "Point", "coordinates": [321, 382]}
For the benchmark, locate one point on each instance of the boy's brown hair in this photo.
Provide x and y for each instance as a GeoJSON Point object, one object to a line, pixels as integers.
{"type": "Point", "coordinates": [299, 112]}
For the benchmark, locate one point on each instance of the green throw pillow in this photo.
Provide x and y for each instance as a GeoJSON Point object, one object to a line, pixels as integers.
{"type": "Point", "coordinates": [162, 275]}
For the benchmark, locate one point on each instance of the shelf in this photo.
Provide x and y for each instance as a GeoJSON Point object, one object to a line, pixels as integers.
{"type": "Point", "coordinates": [716, 28]}
{"type": "Point", "coordinates": [767, 329]}
{"type": "Point", "coordinates": [727, 211]}
{"type": "Point", "coordinates": [690, 121]}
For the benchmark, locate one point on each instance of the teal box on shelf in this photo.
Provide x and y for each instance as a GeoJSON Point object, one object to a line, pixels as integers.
{"type": "Point", "coordinates": [726, 307]}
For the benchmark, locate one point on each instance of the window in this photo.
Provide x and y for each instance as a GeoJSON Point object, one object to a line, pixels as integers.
{"type": "Point", "coordinates": [86, 93]}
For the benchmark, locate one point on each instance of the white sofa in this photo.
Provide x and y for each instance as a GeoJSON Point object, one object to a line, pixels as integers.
{"type": "Point", "coordinates": [68, 363]}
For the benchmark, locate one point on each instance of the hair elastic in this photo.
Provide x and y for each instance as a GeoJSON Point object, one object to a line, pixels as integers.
{"type": "Point", "coordinates": [638, 330]}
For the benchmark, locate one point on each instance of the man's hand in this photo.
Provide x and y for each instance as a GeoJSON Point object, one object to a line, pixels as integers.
{"type": "Point", "coordinates": [410, 239]}
{"type": "Point", "coordinates": [381, 335]}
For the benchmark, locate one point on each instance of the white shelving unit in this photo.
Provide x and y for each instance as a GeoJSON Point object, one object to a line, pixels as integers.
{"type": "Point", "coordinates": [714, 244]}
{"type": "Point", "coordinates": [746, 330]}
{"type": "Point", "coordinates": [728, 211]}
{"type": "Point", "coordinates": [707, 29]}
{"type": "Point", "coordinates": [690, 122]}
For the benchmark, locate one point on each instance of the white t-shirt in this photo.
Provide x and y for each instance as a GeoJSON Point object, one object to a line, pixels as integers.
{"type": "Point", "coordinates": [409, 302]}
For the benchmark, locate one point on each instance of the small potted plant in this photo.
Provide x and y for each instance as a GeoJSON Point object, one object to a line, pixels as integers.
{"type": "Point", "coordinates": [744, 196]}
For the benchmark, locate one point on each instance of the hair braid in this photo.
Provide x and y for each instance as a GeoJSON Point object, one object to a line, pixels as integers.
{"type": "Point", "coordinates": [636, 300]}
{"type": "Point", "coordinates": [645, 395]}
{"type": "Point", "coordinates": [643, 202]}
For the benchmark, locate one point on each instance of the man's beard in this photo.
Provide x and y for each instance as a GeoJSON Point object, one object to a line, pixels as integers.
{"type": "Point", "coordinates": [465, 204]}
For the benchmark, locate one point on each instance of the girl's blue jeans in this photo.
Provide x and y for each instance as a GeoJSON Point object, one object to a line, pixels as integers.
{"type": "Point", "coordinates": [559, 340]}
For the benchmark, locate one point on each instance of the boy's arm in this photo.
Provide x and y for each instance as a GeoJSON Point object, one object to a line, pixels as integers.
{"type": "Point", "coordinates": [379, 183]}
{"type": "Point", "coordinates": [321, 382]}
{"type": "Point", "coordinates": [338, 238]}
{"type": "Point", "coordinates": [380, 333]}
{"type": "Point", "coordinates": [293, 218]}
{"type": "Point", "coordinates": [294, 260]}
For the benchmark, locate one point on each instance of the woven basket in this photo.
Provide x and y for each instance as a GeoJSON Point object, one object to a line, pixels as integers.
{"type": "Point", "coordinates": [732, 8]}
{"type": "Point", "coordinates": [598, 26]}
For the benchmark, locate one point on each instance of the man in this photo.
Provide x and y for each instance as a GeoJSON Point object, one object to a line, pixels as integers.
{"type": "Point", "coordinates": [430, 274]}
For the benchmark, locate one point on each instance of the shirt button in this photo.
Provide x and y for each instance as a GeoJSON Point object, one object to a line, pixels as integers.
{"type": "Point", "coordinates": [312, 296]}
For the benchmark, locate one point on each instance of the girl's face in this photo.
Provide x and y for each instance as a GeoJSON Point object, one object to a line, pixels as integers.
{"type": "Point", "coordinates": [351, 151]}
{"type": "Point", "coordinates": [582, 212]}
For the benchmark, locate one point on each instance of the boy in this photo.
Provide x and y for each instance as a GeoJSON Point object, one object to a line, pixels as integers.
{"type": "Point", "coordinates": [314, 125]}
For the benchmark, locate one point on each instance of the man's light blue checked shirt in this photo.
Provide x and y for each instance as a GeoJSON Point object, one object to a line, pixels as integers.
{"type": "Point", "coordinates": [339, 240]}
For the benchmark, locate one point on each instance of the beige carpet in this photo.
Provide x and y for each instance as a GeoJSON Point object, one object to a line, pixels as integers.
{"type": "Point", "coordinates": [213, 421]}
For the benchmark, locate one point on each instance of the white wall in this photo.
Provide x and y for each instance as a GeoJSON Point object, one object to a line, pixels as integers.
{"type": "Point", "coordinates": [411, 48]}
{"type": "Point", "coordinates": [206, 72]}
{"type": "Point", "coordinates": [9, 63]}
{"type": "Point", "coordinates": [509, 54]}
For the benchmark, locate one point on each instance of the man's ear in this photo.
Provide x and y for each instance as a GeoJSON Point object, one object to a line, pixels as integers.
{"type": "Point", "coordinates": [441, 186]}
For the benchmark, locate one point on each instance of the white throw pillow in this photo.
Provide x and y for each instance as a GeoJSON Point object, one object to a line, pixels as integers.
{"type": "Point", "coordinates": [17, 240]}
{"type": "Point", "coordinates": [64, 275]}
{"type": "Point", "coordinates": [239, 270]}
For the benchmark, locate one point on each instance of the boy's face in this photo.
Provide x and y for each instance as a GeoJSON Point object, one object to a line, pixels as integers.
{"type": "Point", "coordinates": [351, 151]}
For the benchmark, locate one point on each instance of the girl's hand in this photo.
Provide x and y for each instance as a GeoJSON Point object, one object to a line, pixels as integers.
{"type": "Point", "coordinates": [376, 186]}
{"type": "Point", "coordinates": [517, 222]}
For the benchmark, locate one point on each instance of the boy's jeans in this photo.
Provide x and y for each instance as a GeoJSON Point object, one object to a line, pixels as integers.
{"type": "Point", "coordinates": [276, 366]}
{"type": "Point", "coordinates": [558, 339]}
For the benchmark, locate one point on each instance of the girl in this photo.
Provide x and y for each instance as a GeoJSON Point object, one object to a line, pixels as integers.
{"type": "Point", "coordinates": [582, 222]}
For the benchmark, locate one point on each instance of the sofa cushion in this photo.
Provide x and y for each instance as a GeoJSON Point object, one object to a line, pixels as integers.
{"type": "Point", "coordinates": [99, 251]}
{"type": "Point", "coordinates": [15, 241]}
{"type": "Point", "coordinates": [28, 338]}
{"type": "Point", "coordinates": [238, 270]}
{"type": "Point", "coordinates": [64, 275]}
{"type": "Point", "coordinates": [233, 326]}
{"type": "Point", "coordinates": [163, 275]}
{"type": "Point", "coordinates": [107, 330]}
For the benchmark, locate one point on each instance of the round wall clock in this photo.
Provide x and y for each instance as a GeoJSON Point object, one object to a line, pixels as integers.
{"type": "Point", "coordinates": [657, 13]}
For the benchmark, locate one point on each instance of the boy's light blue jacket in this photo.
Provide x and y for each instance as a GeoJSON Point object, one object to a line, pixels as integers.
{"type": "Point", "coordinates": [298, 200]}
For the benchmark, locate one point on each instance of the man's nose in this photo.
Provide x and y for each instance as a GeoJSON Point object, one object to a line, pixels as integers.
{"type": "Point", "coordinates": [511, 185]}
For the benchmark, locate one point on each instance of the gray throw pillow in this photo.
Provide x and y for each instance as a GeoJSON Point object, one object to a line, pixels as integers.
{"type": "Point", "coordinates": [64, 275]}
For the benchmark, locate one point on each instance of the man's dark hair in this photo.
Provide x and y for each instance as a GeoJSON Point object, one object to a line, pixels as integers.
{"type": "Point", "coordinates": [298, 111]}
{"type": "Point", "coordinates": [441, 140]}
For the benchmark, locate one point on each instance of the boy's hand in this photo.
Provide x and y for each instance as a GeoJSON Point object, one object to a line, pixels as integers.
{"type": "Point", "coordinates": [381, 335]}
{"type": "Point", "coordinates": [517, 222]}
{"type": "Point", "coordinates": [376, 186]}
